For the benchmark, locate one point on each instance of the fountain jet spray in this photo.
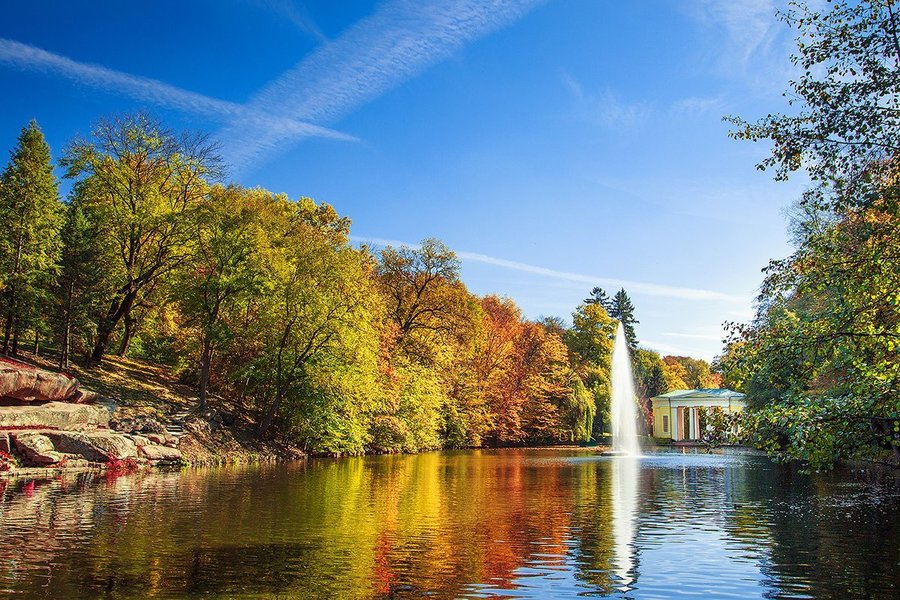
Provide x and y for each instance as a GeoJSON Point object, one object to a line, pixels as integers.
{"type": "Point", "coordinates": [623, 407]}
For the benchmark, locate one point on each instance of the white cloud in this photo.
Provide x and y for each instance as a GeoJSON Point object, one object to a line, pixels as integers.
{"type": "Point", "coordinates": [700, 105]}
{"type": "Point", "coordinates": [695, 336]}
{"type": "Point", "coordinates": [750, 25]}
{"type": "Point", "coordinates": [748, 41]}
{"type": "Point", "coordinates": [399, 41]}
{"type": "Point", "coordinates": [297, 15]}
{"type": "Point", "coordinates": [669, 349]}
{"type": "Point", "coordinates": [30, 58]}
{"type": "Point", "coordinates": [711, 197]}
{"type": "Point", "coordinates": [635, 287]}
{"type": "Point", "coordinates": [606, 108]}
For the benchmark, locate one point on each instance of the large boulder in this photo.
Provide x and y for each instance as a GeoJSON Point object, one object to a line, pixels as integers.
{"type": "Point", "coordinates": [27, 383]}
{"type": "Point", "coordinates": [114, 445]}
{"type": "Point", "coordinates": [161, 453]}
{"type": "Point", "coordinates": [54, 415]}
{"type": "Point", "coordinates": [36, 448]}
{"type": "Point", "coordinates": [79, 444]}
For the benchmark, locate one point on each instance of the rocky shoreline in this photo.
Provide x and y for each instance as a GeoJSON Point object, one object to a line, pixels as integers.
{"type": "Point", "coordinates": [62, 435]}
{"type": "Point", "coordinates": [50, 423]}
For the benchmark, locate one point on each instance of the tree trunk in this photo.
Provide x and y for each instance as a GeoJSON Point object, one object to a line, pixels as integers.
{"type": "Point", "coordinates": [15, 340]}
{"type": "Point", "coordinates": [67, 327]}
{"type": "Point", "coordinates": [37, 342]}
{"type": "Point", "coordinates": [205, 359]}
{"type": "Point", "coordinates": [104, 332]}
{"type": "Point", "coordinates": [13, 301]}
{"type": "Point", "coordinates": [127, 334]}
{"type": "Point", "coordinates": [7, 332]}
{"type": "Point", "coordinates": [269, 417]}
{"type": "Point", "coordinates": [64, 350]}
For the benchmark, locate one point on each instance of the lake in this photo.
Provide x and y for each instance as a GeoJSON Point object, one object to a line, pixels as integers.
{"type": "Point", "coordinates": [549, 523]}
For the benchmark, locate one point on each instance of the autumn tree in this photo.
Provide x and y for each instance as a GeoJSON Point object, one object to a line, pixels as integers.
{"type": "Point", "coordinates": [695, 372]}
{"type": "Point", "coordinates": [523, 374]}
{"type": "Point", "coordinates": [32, 215]}
{"type": "Point", "coordinates": [142, 180]}
{"type": "Point", "coordinates": [427, 303]}
{"type": "Point", "coordinates": [553, 411]}
{"type": "Point", "coordinates": [675, 376]}
{"type": "Point", "coordinates": [495, 366]}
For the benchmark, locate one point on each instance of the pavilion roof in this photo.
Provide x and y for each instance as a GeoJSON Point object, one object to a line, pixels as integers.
{"type": "Point", "coordinates": [703, 393]}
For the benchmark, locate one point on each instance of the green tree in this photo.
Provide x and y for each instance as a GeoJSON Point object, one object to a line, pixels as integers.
{"type": "Point", "coordinates": [846, 122]}
{"type": "Point", "coordinates": [32, 215]}
{"type": "Point", "coordinates": [649, 373]}
{"type": "Point", "coordinates": [599, 296]}
{"type": "Point", "coordinates": [226, 266]}
{"type": "Point", "coordinates": [819, 361]}
{"type": "Point", "coordinates": [84, 283]}
{"type": "Point", "coordinates": [142, 181]}
{"type": "Point", "coordinates": [622, 310]}
{"type": "Point", "coordinates": [590, 342]}
{"type": "Point", "coordinates": [321, 310]}
{"type": "Point", "coordinates": [578, 410]}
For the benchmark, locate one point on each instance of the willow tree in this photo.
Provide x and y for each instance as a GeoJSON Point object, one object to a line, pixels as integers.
{"type": "Point", "coordinates": [590, 342]}
{"type": "Point", "coordinates": [142, 181]}
{"type": "Point", "coordinates": [32, 215]}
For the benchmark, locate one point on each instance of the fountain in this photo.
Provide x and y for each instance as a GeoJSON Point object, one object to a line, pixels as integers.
{"type": "Point", "coordinates": [623, 408]}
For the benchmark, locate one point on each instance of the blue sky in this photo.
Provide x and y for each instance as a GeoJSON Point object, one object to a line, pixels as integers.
{"type": "Point", "coordinates": [553, 144]}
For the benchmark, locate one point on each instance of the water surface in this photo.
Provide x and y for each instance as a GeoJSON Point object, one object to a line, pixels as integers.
{"type": "Point", "coordinates": [476, 524]}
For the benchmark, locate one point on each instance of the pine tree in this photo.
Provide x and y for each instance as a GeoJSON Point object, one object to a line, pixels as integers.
{"type": "Point", "coordinates": [599, 296]}
{"type": "Point", "coordinates": [84, 281]}
{"type": "Point", "coordinates": [31, 213]}
{"type": "Point", "coordinates": [623, 310]}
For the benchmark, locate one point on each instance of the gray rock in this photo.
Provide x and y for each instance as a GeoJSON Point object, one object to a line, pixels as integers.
{"type": "Point", "coordinates": [113, 444]}
{"type": "Point", "coordinates": [56, 415]}
{"type": "Point", "coordinates": [138, 440]}
{"type": "Point", "coordinates": [80, 444]}
{"type": "Point", "coordinates": [161, 453]}
{"type": "Point", "coordinates": [36, 448]}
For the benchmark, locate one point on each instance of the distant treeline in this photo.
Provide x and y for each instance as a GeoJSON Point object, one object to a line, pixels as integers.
{"type": "Point", "coordinates": [263, 300]}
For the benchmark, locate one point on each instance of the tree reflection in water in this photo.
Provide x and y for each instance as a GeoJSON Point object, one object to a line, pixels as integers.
{"type": "Point", "coordinates": [511, 523]}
